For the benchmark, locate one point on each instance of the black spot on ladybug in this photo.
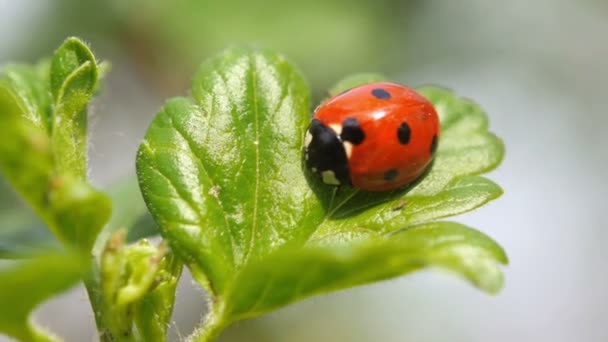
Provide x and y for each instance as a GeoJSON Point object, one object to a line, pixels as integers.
{"type": "Point", "coordinates": [391, 175]}
{"type": "Point", "coordinates": [352, 132]}
{"type": "Point", "coordinates": [326, 153]}
{"type": "Point", "coordinates": [381, 94]}
{"type": "Point", "coordinates": [403, 133]}
{"type": "Point", "coordinates": [434, 144]}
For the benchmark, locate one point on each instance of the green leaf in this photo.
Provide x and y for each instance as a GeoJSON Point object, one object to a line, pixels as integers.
{"type": "Point", "coordinates": [26, 284]}
{"type": "Point", "coordinates": [222, 176]}
{"type": "Point", "coordinates": [142, 264]}
{"type": "Point", "coordinates": [68, 58]}
{"type": "Point", "coordinates": [466, 146]}
{"type": "Point", "coordinates": [459, 196]}
{"type": "Point", "coordinates": [79, 210]}
{"type": "Point", "coordinates": [43, 151]}
{"type": "Point", "coordinates": [73, 78]}
{"type": "Point", "coordinates": [153, 312]}
{"type": "Point", "coordinates": [137, 285]}
{"type": "Point", "coordinates": [287, 276]}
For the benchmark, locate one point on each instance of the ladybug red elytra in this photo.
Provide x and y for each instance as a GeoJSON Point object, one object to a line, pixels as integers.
{"type": "Point", "coordinates": [376, 137]}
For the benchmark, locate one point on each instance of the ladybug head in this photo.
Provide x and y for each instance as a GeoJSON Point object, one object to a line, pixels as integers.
{"type": "Point", "coordinates": [325, 154]}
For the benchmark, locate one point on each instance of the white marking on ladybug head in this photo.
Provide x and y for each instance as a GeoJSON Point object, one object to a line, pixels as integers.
{"type": "Point", "coordinates": [307, 138]}
{"type": "Point", "coordinates": [314, 169]}
{"type": "Point", "coordinates": [348, 148]}
{"type": "Point", "coordinates": [329, 177]}
{"type": "Point", "coordinates": [336, 128]}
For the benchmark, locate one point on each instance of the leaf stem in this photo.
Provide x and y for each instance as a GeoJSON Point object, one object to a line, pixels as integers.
{"type": "Point", "coordinates": [211, 326]}
{"type": "Point", "coordinates": [92, 285]}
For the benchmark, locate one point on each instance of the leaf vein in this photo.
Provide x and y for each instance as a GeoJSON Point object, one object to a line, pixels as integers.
{"type": "Point", "coordinates": [257, 157]}
{"type": "Point", "coordinates": [182, 196]}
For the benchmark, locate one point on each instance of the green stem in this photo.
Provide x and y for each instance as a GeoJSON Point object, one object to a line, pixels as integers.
{"type": "Point", "coordinates": [211, 326]}
{"type": "Point", "coordinates": [92, 285]}
{"type": "Point", "coordinates": [108, 322]}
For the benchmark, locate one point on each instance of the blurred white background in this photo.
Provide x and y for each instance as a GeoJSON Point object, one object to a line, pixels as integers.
{"type": "Point", "coordinates": [538, 68]}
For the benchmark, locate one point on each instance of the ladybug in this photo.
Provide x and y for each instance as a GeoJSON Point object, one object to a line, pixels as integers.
{"type": "Point", "coordinates": [376, 137]}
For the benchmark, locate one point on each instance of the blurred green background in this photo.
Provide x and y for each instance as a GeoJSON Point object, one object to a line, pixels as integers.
{"type": "Point", "coordinates": [539, 69]}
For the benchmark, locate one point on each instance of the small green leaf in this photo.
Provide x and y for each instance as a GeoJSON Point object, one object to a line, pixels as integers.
{"type": "Point", "coordinates": [287, 276]}
{"type": "Point", "coordinates": [73, 77]}
{"type": "Point", "coordinates": [153, 312]}
{"type": "Point", "coordinates": [143, 262]}
{"type": "Point", "coordinates": [138, 285]}
{"type": "Point", "coordinates": [47, 171]}
{"type": "Point", "coordinates": [68, 58]}
{"type": "Point", "coordinates": [26, 284]}
{"type": "Point", "coordinates": [115, 273]}
{"type": "Point", "coordinates": [79, 211]}
{"type": "Point", "coordinates": [24, 91]}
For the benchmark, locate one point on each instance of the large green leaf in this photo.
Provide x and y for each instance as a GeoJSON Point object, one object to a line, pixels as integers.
{"type": "Point", "coordinates": [222, 176]}
{"type": "Point", "coordinates": [26, 284]}
{"type": "Point", "coordinates": [290, 275]}
{"type": "Point", "coordinates": [44, 143]}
